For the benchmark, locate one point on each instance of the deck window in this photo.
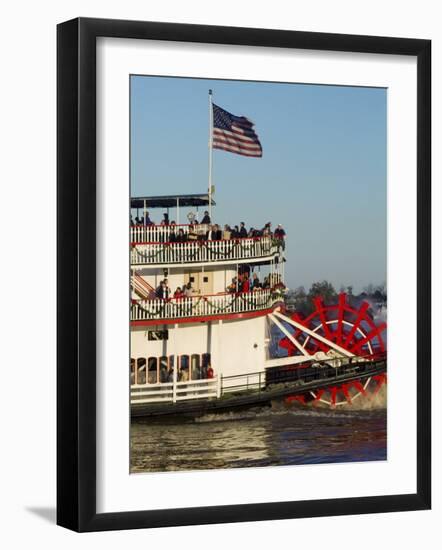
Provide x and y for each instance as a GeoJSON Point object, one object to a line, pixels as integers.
{"type": "Point", "coordinates": [152, 367]}
{"type": "Point", "coordinates": [184, 368]}
{"type": "Point", "coordinates": [164, 366]}
{"type": "Point", "coordinates": [141, 371]}
{"type": "Point", "coordinates": [132, 371]}
{"type": "Point", "coordinates": [196, 367]}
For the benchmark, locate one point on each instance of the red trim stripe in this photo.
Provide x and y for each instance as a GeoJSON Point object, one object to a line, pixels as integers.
{"type": "Point", "coordinates": [204, 319]}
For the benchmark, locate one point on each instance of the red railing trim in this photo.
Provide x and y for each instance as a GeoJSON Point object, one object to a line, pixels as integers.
{"type": "Point", "coordinates": [203, 318]}
{"type": "Point", "coordinates": [171, 225]}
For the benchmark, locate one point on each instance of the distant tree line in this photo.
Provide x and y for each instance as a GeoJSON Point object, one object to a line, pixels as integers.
{"type": "Point", "coordinates": [303, 301]}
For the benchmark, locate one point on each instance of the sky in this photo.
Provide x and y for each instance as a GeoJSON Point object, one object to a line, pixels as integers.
{"type": "Point", "coordinates": [322, 174]}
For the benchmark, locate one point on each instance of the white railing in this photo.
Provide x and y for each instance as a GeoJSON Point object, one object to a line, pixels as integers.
{"type": "Point", "coordinates": [204, 305]}
{"type": "Point", "coordinates": [171, 392]}
{"type": "Point", "coordinates": [204, 251]}
{"type": "Point", "coordinates": [161, 233]}
{"type": "Point", "coordinates": [243, 382]}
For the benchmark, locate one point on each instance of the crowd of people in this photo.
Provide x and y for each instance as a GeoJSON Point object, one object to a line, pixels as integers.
{"type": "Point", "coordinates": [198, 372]}
{"type": "Point", "coordinates": [242, 282]}
{"type": "Point", "coordinates": [164, 292]}
{"type": "Point", "coordinates": [205, 230]}
{"type": "Point", "coordinates": [163, 371]}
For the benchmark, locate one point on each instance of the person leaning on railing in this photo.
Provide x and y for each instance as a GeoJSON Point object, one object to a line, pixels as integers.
{"type": "Point", "coordinates": [178, 296]}
{"type": "Point", "coordinates": [245, 283]}
{"type": "Point", "coordinates": [227, 232]}
{"type": "Point", "coordinates": [235, 233]}
{"type": "Point", "coordinates": [163, 291]}
{"type": "Point", "coordinates": [232, 287]}
{"type": "Point", "coordinates": [181, 237]}
{"type": "Point", "coordinates": [172, 234]}
{"type": "Point", "coordinates": [256, 284]}
{"type": "Point", "coordinates": [214, 233]}
{"type": "Point", "coordinates": [279, 234]}
{"type": "Point", "coordinates": [192, 235]}
{"type": "Point", "coordinates": [178, 293]}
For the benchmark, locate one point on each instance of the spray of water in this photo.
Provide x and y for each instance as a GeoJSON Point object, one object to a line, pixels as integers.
{"type": "Point", "coordinates": [377, 402]}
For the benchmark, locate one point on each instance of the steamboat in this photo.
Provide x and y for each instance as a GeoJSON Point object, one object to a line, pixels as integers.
{"type": "Point", "coordinates": [207, 304]}
{"type": "Point", "coordinates": [209, 345]}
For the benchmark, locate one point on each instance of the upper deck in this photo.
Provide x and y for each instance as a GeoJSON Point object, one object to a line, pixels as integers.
{"type": "Point", "coordinates": [188, 244]}
{"type": "Point", "coordinates": [172, 243]}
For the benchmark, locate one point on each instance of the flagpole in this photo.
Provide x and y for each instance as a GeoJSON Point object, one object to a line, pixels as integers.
{"type": "Point", "coordinates": [210, 152]}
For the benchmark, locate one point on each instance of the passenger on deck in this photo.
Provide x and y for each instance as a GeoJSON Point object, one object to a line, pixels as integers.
{"type": "Point", "coordinates": [267, 229]}
{"type": "Point", "coordinates": [245, 287]}
{"type": "Point", "coordinates": [152, 377]}
{"type": "Point", "coordinates": [210, 372]}
{"type": "Point", "coordinates": [163, 373]}
{"type": "Point", "coordinates": [192, 234]}
{"type": "Point", "coordinates": [242, 230]}
{"type": "Point", "coordinates": [214, 233]}
{"type": "Point", "coordinates": [232, 287]}
{"type": "Point", "coordinates": [279, 232]}
{"type": "Point", "coordinates": [170, 374]}
{"type": "Point", "coordinates": [235, 232]}
{"type": "Point", "coordinates": [256, 282]}
{"type": "Point", "coordinates": [206, 218]}
{"type": "Point", "coordinates": [196, 372]}
{"type": "Point", "coordinates": [219, 233]}
{"type": "Point", "coordinates": [184, 375]}
{"type": "Point", "coordinates": [172, 235]}
{"type": "Point", "coordinates": [181, 237]}
{"type": "Point", "coordinates": [147, 220]}
{"type": "Point", "coordinates": [227, 232]}
{"type": "Point", "coordinates": [178, 293]}
{"type": "Point", "coordinates": [188, 290]}
{"type": "Point", "coordinates": [280, 235]}
{"type": "Point", "coordinates": [163, 291]}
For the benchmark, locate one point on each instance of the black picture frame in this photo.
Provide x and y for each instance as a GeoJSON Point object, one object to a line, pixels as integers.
{"type": "Point", "coordinates": [76, 274]}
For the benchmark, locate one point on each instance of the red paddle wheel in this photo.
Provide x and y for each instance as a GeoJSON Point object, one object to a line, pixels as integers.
{"type": "Point", "coordinates": [352, 329]}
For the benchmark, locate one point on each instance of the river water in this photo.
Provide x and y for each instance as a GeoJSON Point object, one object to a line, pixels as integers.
{"type": "Point", "coordinates": [262, 437]}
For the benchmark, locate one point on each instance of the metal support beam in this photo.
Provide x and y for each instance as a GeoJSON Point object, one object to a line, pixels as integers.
{"type": "Point", "coordinates": [314, 335]}
{"type": "Point", "coordinates": [289, 336]}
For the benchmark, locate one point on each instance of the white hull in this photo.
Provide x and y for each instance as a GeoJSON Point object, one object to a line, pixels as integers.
{"type": "Point", "coordinates": [235, 346]}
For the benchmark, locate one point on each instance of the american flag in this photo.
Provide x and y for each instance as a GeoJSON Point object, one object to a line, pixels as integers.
{"type": "Point", "coordinates": [234, 133]}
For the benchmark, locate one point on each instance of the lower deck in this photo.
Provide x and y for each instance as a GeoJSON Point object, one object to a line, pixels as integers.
{"type": "Point", "coordinates": [195, 351]}
{"type": "Point", "coordinates": [254, 389]}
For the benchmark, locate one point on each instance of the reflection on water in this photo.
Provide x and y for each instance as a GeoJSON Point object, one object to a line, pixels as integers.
{"type": "Point", "coordinates": [258, 438]}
